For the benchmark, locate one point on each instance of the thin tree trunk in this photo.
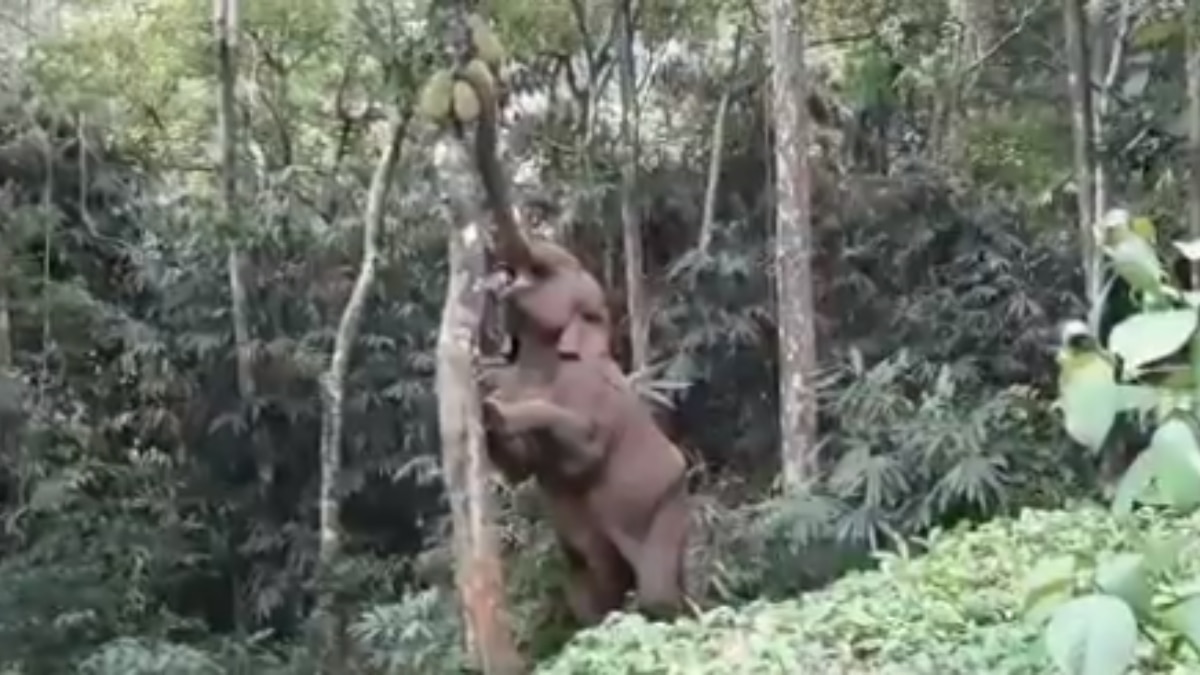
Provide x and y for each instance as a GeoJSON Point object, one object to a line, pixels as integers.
{"type": "Point", "coordinates": [225, 27]}
{"type": "Point", "coordinates": [635, 286]}
{"type": "Point", "coordinates": [793, 246]}
{"type": "Point", "coordinates": [1193, 94]}
{"type": "Point", "coordinates": [716, 150]}
{"type": "Point", "coordinates": [1078, 82]}
{"type": "Point", "coordinates": [1108, 66]}
{"type": "Point", "coordinates": [6, 348]}
{"type": "Point", "coordinates": [479, 571]}
{"type": "Point", "coordinates": [6, 343]}
{"type": "Point", "coordinates": [333, 390]}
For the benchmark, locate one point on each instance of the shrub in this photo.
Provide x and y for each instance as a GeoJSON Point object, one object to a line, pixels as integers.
{"type": "Point", "coordinates": [958, 609]}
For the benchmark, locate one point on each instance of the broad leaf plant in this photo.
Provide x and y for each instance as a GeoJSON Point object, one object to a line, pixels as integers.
{"type": "Point", "coordinates": [1145, 371]}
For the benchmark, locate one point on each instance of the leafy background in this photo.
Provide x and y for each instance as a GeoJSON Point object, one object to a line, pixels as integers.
{"type": "Point", "coordinates": [156, 522]}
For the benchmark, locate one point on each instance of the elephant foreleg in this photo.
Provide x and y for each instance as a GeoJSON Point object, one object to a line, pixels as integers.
{"type": "Point", "coordinates": [572, 433]}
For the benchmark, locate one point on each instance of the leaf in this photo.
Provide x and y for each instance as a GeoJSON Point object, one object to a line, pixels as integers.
{"type": "Point", "coordinates": [1089, 399]}
{"type": "Point", "coordinates": [1189, 249]}
{"type": "Point", "coordinates": [1092, 635]}
{"type": "Point", "coordinates": [1166, 472]}
{"type": "Point", "coordinates": [1133, 484]}
{"type": "Point", "coordinates": [1136, 261]}
{"type": "Point", "coordinates": [1149, 336]}
{"type": "Point", "coordinates": [1048, 586]}
{"type": "Point", "coordinates": [1154, 34]}
{"type": "Point", "coordinates": [1184, 617]}
{"type": "Point", "coordinates": [1177, 463]}
{"type": "Point", "coordinates": [1137, 397]}
{"type": "Point", "coordinates": [1127, 576]}
{"type": "Point", "coordinates": [1143, 226]}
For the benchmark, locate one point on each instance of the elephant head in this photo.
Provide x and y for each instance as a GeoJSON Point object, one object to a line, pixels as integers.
{"type": "Point", "coordinates": [555, 301]}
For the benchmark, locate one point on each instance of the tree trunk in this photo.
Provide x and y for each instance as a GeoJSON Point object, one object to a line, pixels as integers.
{"type": "Point", "coordinates": [793, 246]}
{"type": "Point", "coordinates": [1108, 45]}
{"type": "Point", "coordinates": [329, 613]}
{"type": "Point", "coordinates": [479, 572]}
{"type": "Point", "coordinates": [716, 150]}
{"type": "Point", "coordinates": [1193, 94]}
{"type": "Point", "coordinates": [1078, 82]}
{"type": "Point", "coordinates": [635, 287]}
{"type": "Point", "coordinates": [225, 27]}
{"type": "Point", "coordinates": [6, 343]}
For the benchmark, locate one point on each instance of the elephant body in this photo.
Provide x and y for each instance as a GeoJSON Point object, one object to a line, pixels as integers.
{"type": "Point", "coordinates": [564, 413]}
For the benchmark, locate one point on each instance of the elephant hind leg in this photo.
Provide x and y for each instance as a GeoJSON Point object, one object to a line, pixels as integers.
{"type": "Point", "coordinates": [597, 582]}
{"type": "Point", "coordinates": [660, 565]}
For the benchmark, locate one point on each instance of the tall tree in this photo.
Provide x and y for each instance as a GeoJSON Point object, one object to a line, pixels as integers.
{"type": "Point", "coordinates": [1193, 94]}
{"type": "Point", "coordinates": [1082, 126]}
{"type": "Point", "coordinates": [333, 394]}
{"type": "Point", "coordinates": [6, 343]}
{"type": "Point", "coordinates": [793, 245]}
{"type": "Point", "coordinates": [225, 29]}
{"type": "Point", "coordinates": [635, 286]}
{"type": "Point", "coordinates": [465, 469]}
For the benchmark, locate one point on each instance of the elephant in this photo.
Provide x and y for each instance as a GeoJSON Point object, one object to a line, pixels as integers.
{"type": "Point", "coordinates": [564, 413]}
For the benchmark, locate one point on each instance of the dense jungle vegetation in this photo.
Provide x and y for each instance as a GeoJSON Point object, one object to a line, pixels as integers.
{"type": "Point", "coordinates": [988, 497]}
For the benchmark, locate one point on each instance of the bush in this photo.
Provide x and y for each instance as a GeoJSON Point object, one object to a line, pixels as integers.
{"type": "Point", "coordinates": [958, 609]}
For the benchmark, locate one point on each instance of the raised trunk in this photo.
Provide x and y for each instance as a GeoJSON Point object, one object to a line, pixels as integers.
{"type": "Point", "coordinates": [330, 615]}
{"type": "Point", "coordinates": [225, 28]}
{"type": "Point", "coordinates": [1082, 127]}
{"type": "Point", "coordinates": [635, 287]}
{"type": "Point", "coordinates": [479, 572]}
{"type": "Point", "coordinates": [793, 247]}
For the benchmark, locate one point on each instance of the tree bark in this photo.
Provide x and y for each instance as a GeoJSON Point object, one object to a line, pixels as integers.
{"type": "Point", "coordinates": [793, 246]}
{"type": "Point", "coordinates": [479, 571]}
{"type": "Point", "coordinates": [716, 150]}
{"type": "Point", "coordinates": [225, 28]}
{"type": "Point", "coordinates": [333, 388]}
{"type": "Point", "coordinates": [635, 286]}
{"type": "Point", "coordinates": [6, 343]}
{"type": "Point", "coordinates": [1082, 126]}
{"type": "Point", "coordinates": [1107, 64]}
{"type": "Point", "coordinates": [1193, 148]}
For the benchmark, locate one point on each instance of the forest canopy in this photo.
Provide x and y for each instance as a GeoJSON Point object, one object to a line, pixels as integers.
{"type": "Point", "coordinates": [912, 286]}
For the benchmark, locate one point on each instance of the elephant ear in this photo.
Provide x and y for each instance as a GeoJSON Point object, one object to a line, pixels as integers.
{"type": "Point", "coordinates": [583, 338]}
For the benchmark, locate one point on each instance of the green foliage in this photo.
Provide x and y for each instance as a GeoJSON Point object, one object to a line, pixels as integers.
{"type": "Point", "coordinates": [136, 657]}
{"type": "Point", "coordinates": [1098, 632]}
{"type": "Point", "coordinates": [1126, 375]}
{"type": "Point", "coordinates": [421, 634]}
{"type": "Point", "coordinates": [956, 609]}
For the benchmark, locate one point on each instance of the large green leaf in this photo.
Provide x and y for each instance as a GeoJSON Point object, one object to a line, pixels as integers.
{"type": "Point", "coordinates": [1048, 586]}
{"type": "Point", "coordinates": [1137, 262]}
{"type": "Point", "coordinates": [1167, 472]}
{"type": "Point", "coordinates": [1092, 635]}
{"type": "Point", "coordinates": [1178, 463]}
{"type": "Point", "coordinates": [1149, 336]}
{"type": "Point", "coordinates": [1136, 485]}
{"type": "Point", "coordinates": [1128, 577]}
{"type": "Point", "coordinates": [1190, 249]}
{"type": "Point", "coordinates": [1089, 398]}
{"type": "Point", "coordinates": [1184, 617]}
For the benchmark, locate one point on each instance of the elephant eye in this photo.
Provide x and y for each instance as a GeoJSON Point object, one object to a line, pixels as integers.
{"type": "Point", "coordinates": [540, 270]}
